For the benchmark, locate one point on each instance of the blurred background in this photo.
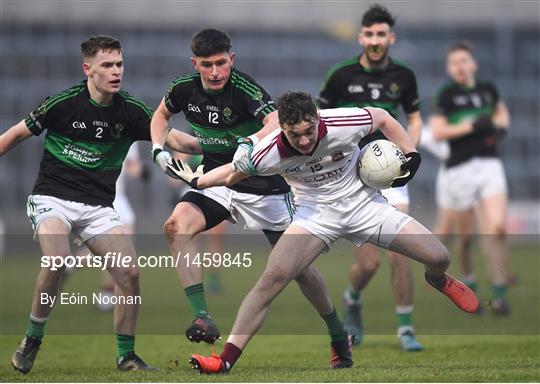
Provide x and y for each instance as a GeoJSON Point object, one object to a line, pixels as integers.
{"type": "Point", "coordinates": [283, 45]}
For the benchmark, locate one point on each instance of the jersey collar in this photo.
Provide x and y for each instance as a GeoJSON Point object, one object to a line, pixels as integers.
{"type": "Point", "coordinates": [287, 150]}
{"type": "Point", "coordinates": [95, 103]}
{"type": "Point", "coordinates": [374, 70]}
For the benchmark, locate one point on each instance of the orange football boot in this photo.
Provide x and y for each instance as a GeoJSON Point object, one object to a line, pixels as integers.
{"type": "Point", "coordinates": [209, 365]}
{"type": "Point", "coordinates": [461, 295]}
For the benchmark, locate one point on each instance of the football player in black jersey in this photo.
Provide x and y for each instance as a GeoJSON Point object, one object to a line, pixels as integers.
{"type": "Point", "coordinates": [90, 128]}
{"type": "Point", "coordinates": [471, 116]}
{"type": "Point", "coordinates": [223, 105]}
{"type": "Point", "coordinates": [375, 79]}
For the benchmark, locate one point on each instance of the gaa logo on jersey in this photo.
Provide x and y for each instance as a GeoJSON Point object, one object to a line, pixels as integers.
{"type": "Point", "coordinates": [337, 156]}
{"type": "Point", "coordinates": [116, 131]}
{"type": "Point", "coordinates": [355, 88]}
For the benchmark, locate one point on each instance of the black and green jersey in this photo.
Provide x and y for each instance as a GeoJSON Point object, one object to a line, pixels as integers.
{"type": "Point", "coordinates": [458, 103]}
{"type": "Point", "coordinates": [219, 119]}
{"type": "Point", "coordinates": [86, 143]}
{"type": "Point", "coordinates": [349, 84]}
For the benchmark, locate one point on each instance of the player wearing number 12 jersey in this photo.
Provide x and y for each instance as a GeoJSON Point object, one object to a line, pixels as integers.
{"type": "Point", "coordinates": [222, 105]}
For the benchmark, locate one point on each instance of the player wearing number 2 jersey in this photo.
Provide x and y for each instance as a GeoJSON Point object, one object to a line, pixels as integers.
{"type": "Point", "coordinates": [89, 129]}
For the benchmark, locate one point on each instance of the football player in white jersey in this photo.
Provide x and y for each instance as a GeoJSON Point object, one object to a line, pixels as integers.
{"type": "Point", "coordinates": [317, 154]}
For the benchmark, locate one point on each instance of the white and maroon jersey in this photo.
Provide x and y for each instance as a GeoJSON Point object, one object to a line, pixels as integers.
{"type": "Point", "coordinates": [329, 173]}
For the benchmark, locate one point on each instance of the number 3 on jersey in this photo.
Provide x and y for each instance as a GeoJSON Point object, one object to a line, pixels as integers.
{"type": "Point", "coordinates": [213, 117]}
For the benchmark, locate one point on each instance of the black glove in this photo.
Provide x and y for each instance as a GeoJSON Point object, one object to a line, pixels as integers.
{"type": "Point", "coordinates": [409, 167]}
{"type": "Point", "coordinates": [483, 125]}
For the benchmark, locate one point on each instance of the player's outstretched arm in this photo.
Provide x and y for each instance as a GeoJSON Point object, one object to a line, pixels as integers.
{"type": "Point", "coordinates": [224, 175]}
{"type": "Point", "coordinates": [13, 136]}
{"type": "Point", "coordinates": [271, 123]}
{"type": "Point", "coordinates": [182, 142]}
{"type": "Point", "coordinates": [245, 145]}
{"type": "Point", "coordinates": [221, 176]}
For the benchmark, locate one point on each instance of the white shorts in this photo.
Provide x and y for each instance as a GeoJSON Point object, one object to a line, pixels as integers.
{"type": "Point", "coordinates": [122, 206]}
{"type": "Point", "coordinates": [374, 220]}
{"type": "Point", "coordinates": [86, 221]}
{"type": "Point", "coordinates": [461, 187]}
{"type": "Point", "coordinates": [271, 212]}
{"type": "Point", "coordinates": [396, 196]}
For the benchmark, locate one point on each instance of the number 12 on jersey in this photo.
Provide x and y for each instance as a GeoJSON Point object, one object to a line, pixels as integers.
{"type": "Point", "coordinates": [213, 117]}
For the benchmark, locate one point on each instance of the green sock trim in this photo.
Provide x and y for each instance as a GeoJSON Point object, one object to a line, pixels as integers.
{"type": "Point", "coordinates": [499, 291]}
{"type": "Point", "coordinates": [353, 293]}
{"type": "Point", "coordinates": [197, 301]}
{"type": "Point", "coordinates": [124, 344]}
{"type": "Point", "coordinates": [404, 319]}
{"type": "Point", "coordinates": [335, 326]}
{"type": "Point", "coordinates": [35, 328]}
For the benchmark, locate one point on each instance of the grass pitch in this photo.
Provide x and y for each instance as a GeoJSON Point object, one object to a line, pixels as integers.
{"type": "Point", "coordinates": [289, 359]}
{"type": "Point", "coordinates": [292, 346]}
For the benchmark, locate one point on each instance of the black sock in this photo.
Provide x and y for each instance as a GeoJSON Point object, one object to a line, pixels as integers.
{"type": "Point", "coordinates": [437, 281]}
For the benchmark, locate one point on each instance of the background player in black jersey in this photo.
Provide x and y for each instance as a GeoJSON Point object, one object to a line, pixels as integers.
{"type": "Point", "coordinates": [471, 116]}
{"type": "Point", "coordinates": [90, 128]}
{"type": "Point", "coordinates": [221, 105]}
{"type": "Point", "coordinates": [377, 80]}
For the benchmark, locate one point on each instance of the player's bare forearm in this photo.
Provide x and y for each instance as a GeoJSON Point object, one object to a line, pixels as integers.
{"type": "Point", "coordinates": [392, 129]}
{"type": "Point", "coordinates": [159, 126]}
{"type": "Point", "coordinates": [414, 126]}
{"type": "Point", "coordinates": [501, 116]}
{"type": "Point", "coordinates": [442, 130]}
{"type": "Point", "coordinates": [183, 143]}
{"type": "Point", "coordinates": [13, 136]}
{"type": "Point", "coordinates": [271, 123]}
{"type": "Point", "coordinates": [221, 176]}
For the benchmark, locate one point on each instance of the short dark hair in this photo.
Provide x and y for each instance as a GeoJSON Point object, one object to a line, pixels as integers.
{"type": "Point", "coordinates": [377, 14]}
{"type": "Point", "coordinates": [460, 46]}
{"type": "Point", "coordinates": [210, 41]}
{"type": "Point", "coordinates": [90, 47]}
{"type": "Point", "coordinates": [295, 107]}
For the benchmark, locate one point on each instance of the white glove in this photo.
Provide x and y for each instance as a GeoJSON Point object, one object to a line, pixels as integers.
{"type": "Point", "coordinates": [162, 158]}
{"type": "Point", "coordinates": [242, 157]}
{"type": "Point", "coordinates": [182, 171]}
